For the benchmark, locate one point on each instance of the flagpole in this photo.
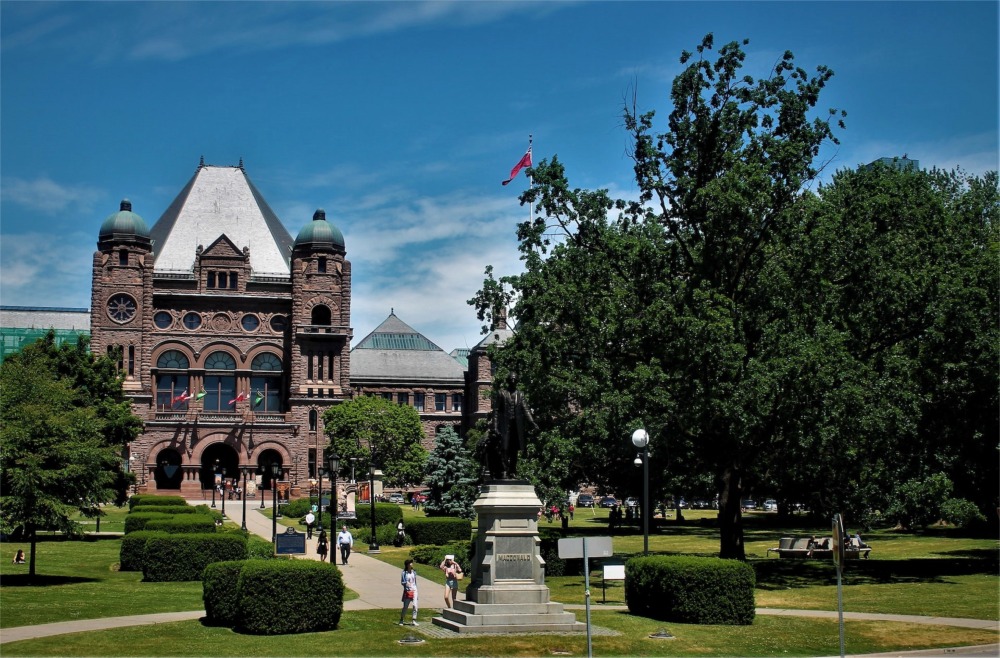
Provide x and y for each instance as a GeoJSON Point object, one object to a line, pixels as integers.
{"type": "Point", "coordinates": [531, 204]}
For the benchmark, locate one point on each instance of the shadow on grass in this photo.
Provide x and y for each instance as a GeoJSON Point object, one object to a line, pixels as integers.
{"type": "Point", "coordinates": [791, 574]}
{"type": "Point", "coordinates": [42, 580]}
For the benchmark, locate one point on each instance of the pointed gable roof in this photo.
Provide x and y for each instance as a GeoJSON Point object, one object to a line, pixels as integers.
{"type": "Point", "coordinates": [220, 201]}
{"type": "Point", "coordinates": [397, 352]}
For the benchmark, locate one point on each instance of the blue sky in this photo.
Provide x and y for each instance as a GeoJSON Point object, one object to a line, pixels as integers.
{"type": "Point", "coordinates": [401, 119]}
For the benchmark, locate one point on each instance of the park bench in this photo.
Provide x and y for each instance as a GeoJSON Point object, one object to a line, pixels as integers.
{"type": "Point", "coordinates": [798, 548]}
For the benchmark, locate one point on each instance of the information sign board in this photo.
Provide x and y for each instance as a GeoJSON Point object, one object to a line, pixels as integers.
{"type": "Point", "coordinates": [290, 542]}
{"type": "Point", "coordinates": [571, 547]}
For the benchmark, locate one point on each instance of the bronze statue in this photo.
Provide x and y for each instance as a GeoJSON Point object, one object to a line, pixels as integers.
{"type": "Point", "coordinates": [510, 422]}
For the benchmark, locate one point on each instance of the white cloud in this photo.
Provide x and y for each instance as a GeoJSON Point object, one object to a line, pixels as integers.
{"type": "Point", "coordinates": [47, 196]}
{"type": "Point", "coordinates": [36, 275]}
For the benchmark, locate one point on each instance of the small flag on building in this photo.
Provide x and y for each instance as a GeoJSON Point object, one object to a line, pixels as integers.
{"type": "Point", "coordinates": [200, 395]}
{"type": "Point", "coordinates": [183, 397]}
{"type": "Point", "coordinates": [257, 400]}
{"type": "Point", "coordinates": [239, 398]}
{"type": "Point", "coordinates": [522, 163]}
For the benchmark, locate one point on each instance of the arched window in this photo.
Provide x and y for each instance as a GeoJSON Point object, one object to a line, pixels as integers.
{"type": "Point", "coordinates": [313, 420]}
{"type": "Point", "coordinates": [321, 315]}
{"type": "Point", "coordinates": [265, 382]}
{"type": "Point", "coordinates": [172, 382]}
{"type": "Point", "coordinates": [220, 382]}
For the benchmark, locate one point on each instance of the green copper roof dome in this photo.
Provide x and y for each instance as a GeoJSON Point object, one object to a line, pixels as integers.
{"type": "Point", "coordinates": [124, 225]}
{"type": "Point", "coordinates": [320, 233]}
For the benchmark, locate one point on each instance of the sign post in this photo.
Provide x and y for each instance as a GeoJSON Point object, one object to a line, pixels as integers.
{"type": "Point", "coordinates": [585, 547]}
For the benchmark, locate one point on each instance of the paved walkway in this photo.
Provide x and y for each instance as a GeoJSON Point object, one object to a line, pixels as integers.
{"type": "Point", "coordinates": [377, 584]}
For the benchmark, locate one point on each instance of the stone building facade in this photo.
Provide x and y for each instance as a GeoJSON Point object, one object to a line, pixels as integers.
{"type": "Point", "coordinates": [234, 338]}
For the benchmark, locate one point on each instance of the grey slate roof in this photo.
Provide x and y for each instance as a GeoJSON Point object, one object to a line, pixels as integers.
{"type": "Point", "coordinates": [396, 352]}
{"type": "Point", "coordinates": [39, 317]}
{"type": "Point", "coordinates": [216, 201]}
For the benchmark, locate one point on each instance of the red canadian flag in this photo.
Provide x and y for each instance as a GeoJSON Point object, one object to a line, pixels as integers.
{"type": "Point", "coordinates": [240, 398]}
{"type": "Point", "coordinates": [522, 163]}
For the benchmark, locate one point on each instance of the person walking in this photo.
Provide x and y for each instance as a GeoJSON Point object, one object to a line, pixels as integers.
{"type": "Point", "coordinates": [321, 546]}
{"type": "Point", "coordinates": [452, 574]}
{"type": "Point", "coordinates": [310, 520]}
{"type": "Point", "coordinates": [408, 580]}
{"type": "Point", "coordinates": [345, 540]}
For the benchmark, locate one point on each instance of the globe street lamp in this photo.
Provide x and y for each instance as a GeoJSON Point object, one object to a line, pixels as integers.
{"type": "Point", "coordinates": [245, 469]}
{"type": "Point", "coordinates": [275, 474]}
{"type": "Point", "coordinates": [373, 546]}
{"type": "Point", "coordinates": [332, 465]}
{"type": "Point", "coordinates": [640, 439]}
{"type": "Point", "coordinates": [215, 469]}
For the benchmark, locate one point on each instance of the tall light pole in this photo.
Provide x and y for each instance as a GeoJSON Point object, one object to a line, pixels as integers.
{"type": "Point", "coordinates": [275, 474]}
{"type": "Point", "coordinates": [373, 546]}
{"type": "Point", "coordinates": [215, 469]}
{"type": "Point", "coordinates": [245, 469]}
{"type": "Point", "coordinates": [260, 489]}
{"type": "Point", "coordinates": [319, 498]}
{"type": "Point", "coordinates": [332, 465]}
{"type": "Point", "coordinates": [222, 472]}
{"type": "Point", "coordinates": [640, 439]}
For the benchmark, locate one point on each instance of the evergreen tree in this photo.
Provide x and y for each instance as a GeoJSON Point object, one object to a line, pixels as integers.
{"type": "Point", "coordinates": [451, 478]}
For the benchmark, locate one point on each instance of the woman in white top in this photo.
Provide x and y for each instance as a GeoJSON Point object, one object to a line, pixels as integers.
{"type": "Point", "coordinates": [409, 582]}
{"type": "Point", "coordinates": [452, 574]}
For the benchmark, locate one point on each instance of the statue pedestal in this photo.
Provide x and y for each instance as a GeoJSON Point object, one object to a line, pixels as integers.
{"type": "Point", "coordinates": [508, 592]}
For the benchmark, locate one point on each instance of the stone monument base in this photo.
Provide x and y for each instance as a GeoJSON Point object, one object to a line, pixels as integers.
{"type": "Point", "coordinates": [508, 592]}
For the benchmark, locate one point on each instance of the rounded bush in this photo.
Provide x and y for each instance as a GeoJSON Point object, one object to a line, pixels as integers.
{"type": "Point", "coordinates": [259, 548]}
{"type": "Point", "coordinates": [289, 596]}
{"type": "Point", "coordinates": [136, 522]}
{"type": "Point", "coordinates": [132, 554]}
{"type": "Point", "coordinates": [220, 592]}
{"type": "Point", "coordinates": [178, 557]}
{"type": "Point", "coordinates": [439, 530]}
{"type": "Point", "coordinates": [164, 509]}
{"type": "Point", "coordinates": [183, 523]}
{"type": "Point", "coordinates": [149, 499]}
{"type": "Point", "coordinates": [385, 514]}
{"type": "Point", "coordinates": [690, 590]}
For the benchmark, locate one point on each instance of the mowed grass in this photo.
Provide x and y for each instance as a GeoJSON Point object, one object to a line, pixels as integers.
{"type": "Point", "coordinates": [375, 633]}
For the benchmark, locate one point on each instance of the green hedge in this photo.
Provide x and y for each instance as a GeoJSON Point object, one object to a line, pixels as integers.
{"type": "Point", "coordinates": [183, 523]}
{"type": "Point", "coordinates": [136, 522]}
{"type": "Point", "coordinates": [289, 596]}
{"type": "Point", "coordinates": [385, 514]}
{"type": "Point", "coordinates": [690, 590]}
{"type": "Point", "coordinates": [259, 548]}
{"type": "Point", "coordinates": [185, 556]}
{"type": "Point", "coordinates": [149, 499]}
{"type": "Point", "coordinates": [132, 553]}
{"type": "Point", "coordinates": [385, 534]}
{"type": "Point", "coordinates": [220, 592]}
{"type": "Point", "coordinates": [439, 530]}
{"type": "Point", "coordinates": [434, 555]}
{"type": "Point", "coordinates": [164, 509]}
{"type": "Point", "coordinates": [297, 507]}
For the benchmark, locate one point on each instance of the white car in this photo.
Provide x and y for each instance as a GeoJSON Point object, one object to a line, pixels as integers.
{"type": "Point", "coordinates": [770, 505]}
{"type": "Point", "coordinates": [396, 498]}
{"type": "Point", "coordinates": [631, 501]}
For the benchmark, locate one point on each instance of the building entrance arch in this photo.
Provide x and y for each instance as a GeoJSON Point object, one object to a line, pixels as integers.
{"type": "Point", "coordinates": [218, 459]}
{"type": "Point", "coordinates": [264, 461]}
{"type": "Point", "coordinates": [168, 474]}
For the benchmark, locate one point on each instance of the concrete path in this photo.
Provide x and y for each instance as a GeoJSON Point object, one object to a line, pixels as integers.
{"type": "Point", "coordinates": [377, 585]}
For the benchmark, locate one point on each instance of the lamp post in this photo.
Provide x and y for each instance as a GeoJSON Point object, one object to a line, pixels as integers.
{"type": "Point", "coordinates": [319, 497]}
{"type": "Point", "coordinates": [222, 471]}
{"type": "Point", "coordinates": [353, 460]}
{"type": "Point", "coordinates": [260, 489]}
{"type": "Point", "coordinates": [332, 465]}
{"type": "Point", "coordinates": [275, 474]}
{"type": "Point", "coordinates": [215, 469]}
{"type": "Point", "coordinates": [245, 469]}
{"type": "Point", "coordinates": [373, 546]}
{"type": "Point", "coordinates": [640, 439]}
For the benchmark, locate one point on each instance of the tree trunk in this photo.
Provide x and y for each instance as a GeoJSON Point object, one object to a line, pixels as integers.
{"type": "Point", "coordinates": [731, 515]}
{"type": "Point", "coordinates": [31, 560]}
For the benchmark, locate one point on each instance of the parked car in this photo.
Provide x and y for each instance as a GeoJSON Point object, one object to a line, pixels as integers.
{"type": "Point", "coordinates": [584, 500]}
{"type": "Point", "coordinates": [609, 501]}
{"type": "Point", "coordinates": [701, 503]}
{"type": "Point", "coordinates": [770, 505]}
{"type": "Point", "coordinates": [748, 504]}
{"type": "Point", "coordinates": [396, 498]}
{"type": "Point", "coordinates": [631, 501]}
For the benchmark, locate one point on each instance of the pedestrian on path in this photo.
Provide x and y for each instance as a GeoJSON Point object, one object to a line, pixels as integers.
{"type": "Point", "coordinates": [310, 520]}
{"type": "Point", "coordinates": [408, 580]}
{"type": "Point", "coordinates": [345, 540]}
{"type": "Point", "coordinates": [321, 546]}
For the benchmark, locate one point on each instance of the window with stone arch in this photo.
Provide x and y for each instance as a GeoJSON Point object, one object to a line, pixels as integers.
{"type": "Point", "coordinates": [220, 382]}
{"type": "Point", "coordinates": [266, 383]}
{"type": "Point", "coordinates": [172, 381]}
{"type": "Point", "coordinates": [313, 420]}
{"type": "Point", "coordinates": [321, 315]}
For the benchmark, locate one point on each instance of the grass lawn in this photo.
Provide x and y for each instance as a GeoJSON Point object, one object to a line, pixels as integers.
{"type": "Point", "coordinates": [374, 633]}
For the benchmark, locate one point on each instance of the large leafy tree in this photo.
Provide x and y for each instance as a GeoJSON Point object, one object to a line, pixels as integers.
{"type": "Point", "coordinates": [451, 477]}
{"type": "Point", "coordinates": [728, 310]}
{"type": "Point", "coordinates": [370, 427]}
{"type": "Point", "coordinates": [65, 424]}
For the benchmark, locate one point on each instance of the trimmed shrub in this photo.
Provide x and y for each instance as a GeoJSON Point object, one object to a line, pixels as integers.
{"type": "Point", "coordinates": [434, 555]}
{"type": "Point", "coordinates": [961, 512]}
{"type": "Point", "coordinates": [132, 553]}
{"type": "Point", "coordinates": [185, 556]}
{"type": "Point", "coordinates": [385, 514]}
{"type": "Point", "coordinates": [439, 530]}
{"type": "Point", "coordinates": [164, 509]}
{"type": "Point", "coordinates": [385, 534]}
{"type": "Point", "coordinates": [136, 522]}
{"type": "Point", "coordinates": [183, 523]}
{"type": "Point", "coordinates": [308, 594]}
{"type": "Point", "coordinates": [149, 499]}
{"type": "Point", "coordinates": [690, 590]}
{"type": "Point", "coordinates": [220, 592]}
{"type": "Point", "coordinates": [297, 508]}
{"type": "Point", "coordinates": [259, 548]}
